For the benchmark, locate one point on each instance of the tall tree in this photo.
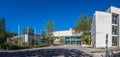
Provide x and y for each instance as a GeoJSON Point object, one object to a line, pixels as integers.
{"type": "Point", "coordinates": [29, 31]}
{"type": "Point", "coordinates": [24, 31]}
{"type": "Point", "coordinates": [89, 28]}
{"type": "Point", "coordinates": [83, 25]}
{"type": "Point", "coordinates": [89, 23]}
{"type": "Point", "coordinates": [2, 30]}
{"type": "Point", "coordinates": [9, 34]}
{"type": "Point", "coordinates": [43, 34]}
{"type": "Point", "coordinates": [50, 28]}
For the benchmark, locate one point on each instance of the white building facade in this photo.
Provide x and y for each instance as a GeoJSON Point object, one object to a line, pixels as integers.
{"type": "Point", "coordinates": [104, 23]}
{"type": "Point", "coordinates": [69, 37]}
{"type": "Point", "coordinates": [21, 39]}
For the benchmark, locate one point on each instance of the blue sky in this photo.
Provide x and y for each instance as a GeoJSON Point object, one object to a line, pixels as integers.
{"type": "Point", "coordinates": [36, 13]}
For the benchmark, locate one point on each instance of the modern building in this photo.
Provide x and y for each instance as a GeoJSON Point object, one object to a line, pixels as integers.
{"type": "Point", "coordinates": [28, 39]}
{"type": "Point", "coordinates": [104, 23]}
{"type": "Point", "coordinates": [69, 37]}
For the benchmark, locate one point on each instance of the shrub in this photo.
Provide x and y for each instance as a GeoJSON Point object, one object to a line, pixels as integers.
{"type": "Point", "coordinates": [16, 47]}
{"type": "Point", "coordinates": [42, 45]}
{"type": "Point", "coordinates": [57, 44]}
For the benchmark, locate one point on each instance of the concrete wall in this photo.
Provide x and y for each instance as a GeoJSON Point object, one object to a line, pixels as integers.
{"type": "Point", "coordinates": [93, 31]}
{"type": "Point", "coordinates": [57, 40]}
{"type": "Point", "coordinates": [113, 9]}
{"type": "Point", "coordinates": [35, 38]}
{"type": "Point", "coordinates": [119, 32]}
{"type": "Point", "coordinates": [102, 25]}
{"type": "Point", "coordinates": [69, 32]}
{"type": "Point", "coordinates": [28, 39]}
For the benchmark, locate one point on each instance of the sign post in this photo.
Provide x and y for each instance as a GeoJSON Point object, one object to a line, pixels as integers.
{"type": "Point", "coordinates": [106, 42]}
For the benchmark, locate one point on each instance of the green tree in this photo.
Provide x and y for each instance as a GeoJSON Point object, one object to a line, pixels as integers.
{"type": "Point", "coordinates": [88, 31]}
{"type": "Point", "coordinates": [43, 35]}
{"type": "Point", "coordinates": [2, 30]}
{"type": "Point", "coordinates": [33, 42]}
{"type": "Point", "coordinates": [50, 28]}
{"type": "Point", "coordinates": [24, 31]}
{"type": "Point", "coordinates": [29, 31]}
{"type": "Point", "coordinates": [9, 34]}
{"type": "Point", "coordinates": [84, 25]}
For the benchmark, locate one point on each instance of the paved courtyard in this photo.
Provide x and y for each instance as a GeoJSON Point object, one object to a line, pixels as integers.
{"type": "Point", "coordinates": [58, 51]}
{"type": "Point", "coordinates": [46, 53]}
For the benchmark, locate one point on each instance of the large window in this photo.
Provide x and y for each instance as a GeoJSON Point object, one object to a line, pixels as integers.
{"type": "Point", "coordinates": [114, 40]}
{"type": "Point", "coordinates": [114, 30]}
{"type": "Point", "coordinates": [114, 19]}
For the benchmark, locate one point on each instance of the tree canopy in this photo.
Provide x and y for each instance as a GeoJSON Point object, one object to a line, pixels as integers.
{"type": "Point", "coordinates": [84, 25]}
{"type": "Point", "coordinates": [50, 29]}
{"type": "Point", "coordinates": [4, 34]}
{"type": "Point", "coordinates": [29, 31]}
{"type": "Point", "coordinates": [2, 29]}
{"type": "Point", "coordinates": [43, 34]}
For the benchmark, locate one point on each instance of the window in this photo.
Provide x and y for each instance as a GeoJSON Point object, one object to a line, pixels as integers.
{"type": "Point", "coordinates": [114, 41]}
{"type": "Point", "coordinates": [114, 19]}
{"type": "Point", "coordinates": [114, 30]}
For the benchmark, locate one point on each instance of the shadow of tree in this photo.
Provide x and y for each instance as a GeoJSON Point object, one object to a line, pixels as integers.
{"type": "Point", "coordinates": [47, 53]}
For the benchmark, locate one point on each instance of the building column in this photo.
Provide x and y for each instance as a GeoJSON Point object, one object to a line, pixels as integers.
{"type": "Point", "coordinates": [70, 40]}
{"type": "Point", "coordinates": [118, 42]}
{"type": "Point", "coordinates": [75, 40]}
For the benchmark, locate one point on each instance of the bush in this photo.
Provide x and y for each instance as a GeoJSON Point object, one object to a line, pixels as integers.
{"type": "Point", "coordinates": [16, 47]}
{"type": "Point", "coordinates": [9, 47]}
{"type": "Point", "coordinates": [42, 45]}
{"type": "Point", "coordinates": [57, 44]}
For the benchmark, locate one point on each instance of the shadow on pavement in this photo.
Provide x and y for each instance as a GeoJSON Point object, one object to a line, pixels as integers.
{"type": "Point", "coordinates": [46, 53]}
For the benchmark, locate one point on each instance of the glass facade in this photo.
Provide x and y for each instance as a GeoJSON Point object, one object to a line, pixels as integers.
{"type": "Point", "coordinates": [114, 30]}
{"type": "Point", "coordinates": [73, 40]}
{"type": "Point", "coordinates": [78, 40]}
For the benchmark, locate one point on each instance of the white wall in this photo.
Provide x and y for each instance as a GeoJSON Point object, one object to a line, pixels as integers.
{"type": "Point", "coordinates": [93, 31]}
{"type": "Point", "coordinates": [119, 32]}
{"type": "Point", "coordinates": [113, 9]}
{"type": "Point", "coordinates": [64, 33]}
{"type": "Point", "coordinates": [35, 38]}
{"type": "Point", "coordinates": [69, 32]}
{"type": "Point", "coordinates": [57, 40]}
{"type": "Point", "coordinates": [103, 27]}
{"type": "Point", "coordinates": [26, 38]}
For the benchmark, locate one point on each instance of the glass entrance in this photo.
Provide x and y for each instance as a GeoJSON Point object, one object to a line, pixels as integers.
{"type": "Point", "coordinates": [73, 40]}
